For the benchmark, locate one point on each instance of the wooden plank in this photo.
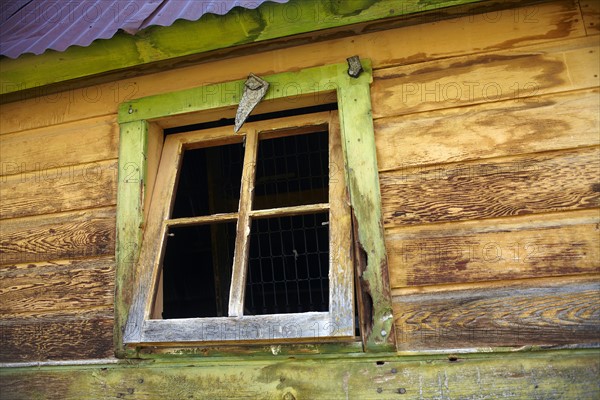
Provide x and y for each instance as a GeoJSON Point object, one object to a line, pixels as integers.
{"type": "Point", "coordinates": [244, 224]}
{"type": "Point", "coordinates": [341, 246]}
{"type": "Point", "coordinates": [153, 152]}
{"type": "Point", "coordinates": [65, 337]}
{"type": "Point", "coordinates": [360, 168]}
{"type": "Point", "coordinates": [205, 219]}
{"type": "Point", "coordinates": [202, 98]}
{"type": "Point", "coordinates": [275, 329]}
{"type": "Point", "coordinates": [245, 350]}
{"type": "Point", "coordinates": [79, 234]}
{"type": "Point", "coordinates": [590, 11]}
{"type": "Point", "coordinates": [526, 184]}
{"type": "Point", "coordinates": [566, 374]}
{"type": "Point", "coordinates": [472, 33]}
{"type": "Point", "coordinates": [59, 190]}
{"type": "Point", "coordinates": [137, 140]}
{"type": "Point", "coordinates": [562, 311]}
{"type": "Point", "coordinates": [544, 123]}
{"type": "Point", "coordinates": [59, 146]}
{"type": "Point", "coordinates": [44, 288]}
{"type": "Point", "coordinates": [137, 277]}
{"type": "Point", "coordinates": [508, 248]}
{"type": "Point", "coordinates": [484, 78]}
{"type": "Point", "coordinates": [292, 210]}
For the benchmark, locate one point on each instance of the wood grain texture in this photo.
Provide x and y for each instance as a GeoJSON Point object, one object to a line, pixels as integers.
{"type": "Point", "coordinates": [483, 78]}
{"type": "Point", "coordinates": [59, 146]}
{"type": "Point", "coordinates": [527, 184]}
{"type": "Point", "coordinates": [80, 234]}
{"type": "Point", "coordinates": [58, 337]}
{"type": "Point", "coordinates": [137, 140]}
{"type": "Point", "coordinates": [341, 263]}
{"type": "Point", "coordinates": [59, 190]}
{"type": "Point", "coordinates": [242, 234]}
{"type": "Point", "coordinates": [136, 278]}
{"type": "Point", "coordinates": [534, 375]}
{"type": "Point", "coordinates": [590, 10]}
{"type": "Point", "coordinates": [275, 329]}
{"type": "Point", "coordinates": [472, 33]}
{"type": "Point", "coordinates": [552, 122]}
{"type": "Point", "coordinates": [517, 314]}
{"type": "Point", "coordinates": [503, 249]}
{"type": "Point", "coordinates": [360, 168]}
{"type": "Point", "coordinates": [42, 289]}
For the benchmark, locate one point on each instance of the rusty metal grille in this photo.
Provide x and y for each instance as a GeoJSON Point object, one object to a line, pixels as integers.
{"type": "Point", "coordinates": [288, 263]}
{"type": "Point", "coordinates": [292, 171]}
{"type": "Point", "coordinates": [288, 266]}
{"type": "Point", "coordinates": [210, 181]}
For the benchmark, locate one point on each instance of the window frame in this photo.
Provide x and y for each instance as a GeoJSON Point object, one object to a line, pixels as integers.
{"type": "Point", "coordinates": [141, 123]}
{"type": "Point", "coordinates": [337, 322]}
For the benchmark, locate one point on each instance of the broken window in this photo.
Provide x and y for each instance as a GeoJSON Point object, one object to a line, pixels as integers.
{"type": "Point", "coordinates": [288, 262]}
{"type": "Point", "coordinates": [249, 234]}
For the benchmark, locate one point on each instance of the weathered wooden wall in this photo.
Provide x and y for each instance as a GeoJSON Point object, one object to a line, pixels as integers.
{"type": "Point", "coordinates": [487, 137]}
{"type": "Point", "coordinates": [512, 376]}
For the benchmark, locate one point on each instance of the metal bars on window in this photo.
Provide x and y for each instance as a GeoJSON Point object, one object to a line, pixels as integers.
{"type": "Point", "coordinates": [311, 292]}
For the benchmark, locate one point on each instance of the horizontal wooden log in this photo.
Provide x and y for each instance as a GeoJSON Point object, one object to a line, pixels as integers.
{"type": "Point", "coordinates": [590, 11]}
{"type": "Point", "coordinates": [59, 146]}
{"type": "Point", "coordinates": [485, 78]}
{"type": "Point", "coordinates": [544, 123]}
{"type": "Point", "coordinates": [530, 313]}
{"type": "Point", "coordinates": [566, 374]}
{"type": "Point", "coordinates": [508, 248]}
{"type": "Point", "coordinates": [527, 184]}
{"type": "Point", "coordinates": [65, 337]}
{"type": "Point", "coordinates": [59, 190]}
{"type": "Point", "coordinates": [42, 289]}
{"type": "Point", "coordinates": [80, 234]}
{"type": "Point", "coordinates": [472, 33]}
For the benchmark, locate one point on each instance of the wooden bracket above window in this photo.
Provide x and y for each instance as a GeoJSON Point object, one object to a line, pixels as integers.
{"type": "Point", "coordinates": [255, 89]}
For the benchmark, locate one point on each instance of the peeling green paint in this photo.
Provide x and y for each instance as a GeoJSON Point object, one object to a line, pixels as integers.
{"type": "Point", "coordinates": [350, 8]}
{"type": "Point", "coordinates": [131, 189]}
{"type": "Point", "coordinates": [565, 374]}
{"type": "Point", "coordinates": [358, 142]}
{"type": "Point", "coordinates": [211, 32]}
{"type": "Point", "coordinates": [353, 96]}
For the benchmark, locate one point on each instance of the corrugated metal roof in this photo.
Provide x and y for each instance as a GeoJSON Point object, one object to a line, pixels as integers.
{"type": "Point", "coordinates": [34, 26]}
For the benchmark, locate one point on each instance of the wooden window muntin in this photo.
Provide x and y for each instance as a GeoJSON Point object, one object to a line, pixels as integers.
{"type": "Point", "coordinates": [338, 321]}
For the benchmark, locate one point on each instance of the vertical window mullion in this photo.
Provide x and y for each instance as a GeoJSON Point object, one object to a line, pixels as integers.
{"type": "Point", "coordinates": [242, 240]}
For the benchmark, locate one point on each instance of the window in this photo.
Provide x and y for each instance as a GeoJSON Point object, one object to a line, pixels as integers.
{"type": "Point", "coordinates": [250, 237]}
{"type": "Point", "coordinates": [244, 234]}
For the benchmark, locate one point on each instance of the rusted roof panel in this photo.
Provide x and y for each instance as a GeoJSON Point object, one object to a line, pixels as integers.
{"type": "Point", "coordinates": [34, 26]}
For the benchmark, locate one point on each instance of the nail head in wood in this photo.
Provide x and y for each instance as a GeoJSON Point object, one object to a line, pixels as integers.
{"type": "Point", "coordinates": [354, 66]}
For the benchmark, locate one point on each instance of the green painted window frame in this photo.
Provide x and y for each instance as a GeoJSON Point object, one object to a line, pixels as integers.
{"type": "Point", "coordinates": [360, 165]}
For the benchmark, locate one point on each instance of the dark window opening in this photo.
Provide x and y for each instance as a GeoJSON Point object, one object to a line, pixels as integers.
{"type": "Point", "coordinates": [292, 171]}
{"type": "Point", "coordinates": [209, 181]}
{"type": "Point", "coordinates": [254, 117]}
{"type": "Point", "coordinates": [288, 267]}
{"type": "Point", "coordinates": [197, 270]}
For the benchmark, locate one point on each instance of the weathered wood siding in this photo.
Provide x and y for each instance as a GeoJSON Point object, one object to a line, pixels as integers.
{"type": "Point", "coordinates": [486, 129]}
{"type": "Point", "coordinates": [549, 375]}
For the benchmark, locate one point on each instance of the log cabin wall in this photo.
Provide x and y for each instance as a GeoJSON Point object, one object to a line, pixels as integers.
{"type": "Point", "coordinates": [487, 140]}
